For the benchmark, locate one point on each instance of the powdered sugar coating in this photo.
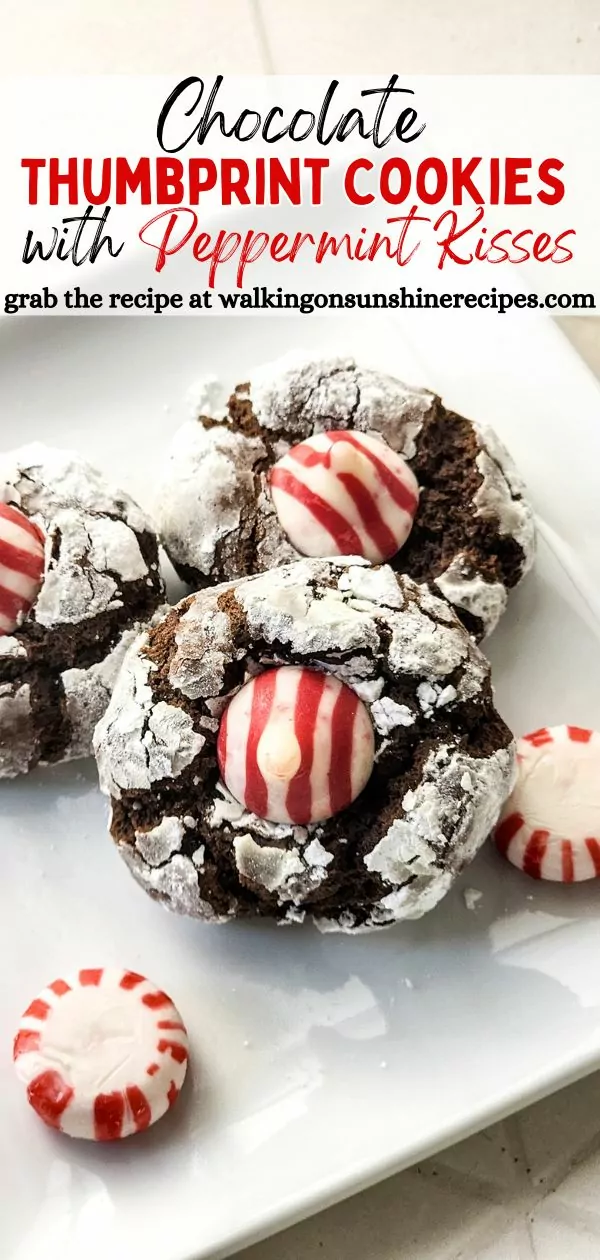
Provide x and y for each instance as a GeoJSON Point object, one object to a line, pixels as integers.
{"type": "Point", "coordinates": [101, 567]}
{"type": "Point", "coordinates": [74, 589]}
{"type": "Point", "coordinates": [494, 502]}
{"type": "Point", "coordinates": [87, 693]}
{"type": "Point", "coordinates": [41, 479]}
{"type": "Point", "coordinates": [316, 854]}
{"type": "Point", "coordinates": [138, 742]}
{"type": "Point", "coordinates": [223, 524]}
{"type": "Point", "coordinates": [305, 396]}
{"type": "Point", "coordinates": [292, 875]}
{"type": "Point", "coordinates": [261, 864]}
{"type": "Point", "coordinates": [158, 843]}
{"type": "Point", "coordinates": [207, 493]}
{"type": "Point", "coordinates": [11, 647]}
{"type": "Point", "coordinates": [500, 499]}
{"type": "Point", "coordinates": [90, 530]}
{"type": "Point", "coordinates": [387, 714]}
{"type": "Point", "coordinates": [420, 675]}
{"type": "Point", "coordinates": [207, 397]}
{"type": "Point", "coordinates": [203, 647]}
{"type": "Point", "coordinates": [496, 497]}
{"type": "Point", "coordinates": [408, 857]}
{"type": "Point", "coordinates": [176, 883]}
{"type": "Point", "coordinates": [215, 483]}
{"type": "Point", "coordinates": [467, 589]}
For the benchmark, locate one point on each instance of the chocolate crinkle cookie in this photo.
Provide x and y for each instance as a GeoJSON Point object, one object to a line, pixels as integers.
{"type": "Point", "coordinates": [79, 576]}
{"type": "Point", "coordinates": [318, 740]}
{"type": "Point", "coordinates": [325, 458]}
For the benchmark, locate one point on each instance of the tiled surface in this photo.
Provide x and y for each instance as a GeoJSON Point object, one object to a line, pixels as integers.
{"type": "Point", "coordinates": [526, 1189]}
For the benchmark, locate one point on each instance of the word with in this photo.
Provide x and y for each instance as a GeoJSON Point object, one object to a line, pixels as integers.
{"type": "Point", "coordinates": [66, 249]}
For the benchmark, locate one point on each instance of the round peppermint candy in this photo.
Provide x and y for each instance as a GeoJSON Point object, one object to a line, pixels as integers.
{"type": "Point", "coordinates": [345, 493]}
{"type": "Point", "coordinates": [550, 825]}
{"type": "Point", "coordinates": [103, 1054]}
{"type": "Point", "coordinates": [295, 745]}
{"type": "Point", "coordinates": [21, 566]}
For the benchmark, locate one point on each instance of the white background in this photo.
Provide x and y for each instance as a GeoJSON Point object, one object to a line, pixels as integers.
{"type": "Point", "coordinates": [475, 1202]}
{"type": "Point", "coordinates": [315, 37]}
{"type": "Point", "coordinates": [463, 117]}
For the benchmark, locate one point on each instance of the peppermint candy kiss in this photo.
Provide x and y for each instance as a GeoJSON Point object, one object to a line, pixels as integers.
{"type": "Point", "coordinates": [550, 826]}
{"type": "Point", "coordinates": [102, 1053]}
{"type": "Point", "coordinates": [21, 566]}
{"type": "Point", "coordinates": [344, 493]}
{"type": "Point", "coordinates": [295, 745]}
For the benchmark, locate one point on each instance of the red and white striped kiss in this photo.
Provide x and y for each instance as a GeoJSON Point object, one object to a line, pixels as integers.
{"type": "Point", "coordinates": [295, 745]}
{"type": "Point", "coordinates": [21, 566]}
{"type": "Point", "coordinates": [550, 826]}
{"type": "Point", "coordinates": [103, 1054]}
{"type": "Point", "coordinates": [344, 493]}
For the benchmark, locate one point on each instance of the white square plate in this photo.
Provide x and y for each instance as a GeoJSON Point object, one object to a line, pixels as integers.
{"type": "Point", "coordinates": [319, 1063]}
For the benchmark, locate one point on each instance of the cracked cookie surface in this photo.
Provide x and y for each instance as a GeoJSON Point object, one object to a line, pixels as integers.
{"type": "Point", "coordinates": [444, 760]}
{"type": "Point", "coordinates": [101, 582]}
{"type": "Point", "coordinates": [473, 535]}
